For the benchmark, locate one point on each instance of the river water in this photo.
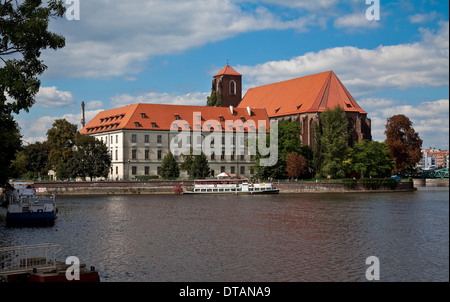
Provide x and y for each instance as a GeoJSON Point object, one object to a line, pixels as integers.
{"type": "Point", "coordinates": [300, 237]}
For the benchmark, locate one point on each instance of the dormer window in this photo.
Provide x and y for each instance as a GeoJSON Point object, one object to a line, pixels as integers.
{"type": "Point", "coordinates": [299, 106]}
{"type": "Point", "coordinates": [276, 111]}
{"type": "Point", "coordinates": [177, 117]}
{"type": "Point", "coordinates": [143, 115]}
{"type": "Point", "coordinates": [137, 125]}
{"type": "Point", "coordinates": [222, 119]}
{"type": "Point", "coordinates": [243, 119]}
{"type": "Point", "coordinates": [154, 125]}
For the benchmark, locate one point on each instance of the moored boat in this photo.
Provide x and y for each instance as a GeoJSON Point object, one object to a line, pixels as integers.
{"type": "Point", "coordinates": [24, 207]}
{"type": "Point", "coordinates": [231, 186]}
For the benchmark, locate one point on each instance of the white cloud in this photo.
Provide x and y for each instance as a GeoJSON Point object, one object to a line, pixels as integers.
{"type": "Point", "coordinates": [51, 97]}
{"type": "Point", "coordinates": [422, 18]}
{"type": "Point", "coordinates": [115, 37]}
{"type": "Point", "coordinates": [193, 99]}
{"type": "Point", "coordinates": [430, 119]}
{"type": "Point", "coordinates": [355, 21]}
{"type": "Point", "coordinates": [94, 104]}
{"type": "Point", "coordinates": [364, 71]}
{"type": "Point", "coordinates": [34, 130]}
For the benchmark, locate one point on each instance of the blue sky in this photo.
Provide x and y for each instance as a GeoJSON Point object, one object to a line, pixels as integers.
{"type": "Point", "coordinates": [124, 52]}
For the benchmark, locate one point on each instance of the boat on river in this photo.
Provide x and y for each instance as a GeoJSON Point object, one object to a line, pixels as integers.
{"type": "Point", "coordinates": [231, 186]}
{"type": "Point", "coordinates": [25, 207]}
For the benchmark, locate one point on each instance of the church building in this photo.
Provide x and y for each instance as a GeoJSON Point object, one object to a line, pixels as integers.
{"type": "Point", "coordinates": [300, 100]}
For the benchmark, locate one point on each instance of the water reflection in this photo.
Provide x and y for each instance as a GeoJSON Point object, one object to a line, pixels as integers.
{"type": "Point", "coordinates": [302, 237]}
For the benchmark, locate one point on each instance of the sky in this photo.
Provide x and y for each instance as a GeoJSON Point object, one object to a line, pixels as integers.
{"type": "Point", "coordinates": [166, 51]}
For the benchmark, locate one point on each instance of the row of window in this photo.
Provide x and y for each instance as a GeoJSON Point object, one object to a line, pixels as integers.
{"type": "Point", "coordinates": [134, 170]}
{"type": "Point", "coordinates": [134, 155]}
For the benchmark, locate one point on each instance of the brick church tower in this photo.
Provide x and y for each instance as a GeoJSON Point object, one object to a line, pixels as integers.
{"type": "Point", "coordinates": [228, 82]}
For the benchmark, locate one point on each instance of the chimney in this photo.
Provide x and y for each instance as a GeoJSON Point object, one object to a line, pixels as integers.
{"type": "Point", "coordinates": [83, 121]}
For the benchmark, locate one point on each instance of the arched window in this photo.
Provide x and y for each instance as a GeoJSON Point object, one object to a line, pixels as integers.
{"type": "Point", "coordinates": [233, 87]}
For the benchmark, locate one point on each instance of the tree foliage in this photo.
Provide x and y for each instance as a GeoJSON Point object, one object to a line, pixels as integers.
{"type": "Point", "coordinates": [333, 142]}
{"type": "Point", "coordinates": [200, 167]}
{"type": "Point", "coordinates": [61, 139]}
{"type": "Point", "coordinates": [288, 142]}
{"type": "Point", "coordinates": [169, 167]}
{"type": "Point", "coordinates": [23, 35]}
{"type": "Point", "coordinates": [10, 143]}
{"type": "Point", "coordinates": [370, 158]}
{"type": "Point", "coordinates": [403, 142]}
{"type": "Point", "coordinates": [295, 165]}
{"type": "Point", "coordinates": [214, 100]}
{"type": "Point", "coordinates": [90, 159]}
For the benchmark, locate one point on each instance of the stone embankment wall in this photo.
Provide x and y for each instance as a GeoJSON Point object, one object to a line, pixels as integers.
{"type": "Point", "coordinates": [167, 187]}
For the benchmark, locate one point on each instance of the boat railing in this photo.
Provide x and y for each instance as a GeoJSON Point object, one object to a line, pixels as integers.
{"type": "Point", "coordinates": [24, 259]}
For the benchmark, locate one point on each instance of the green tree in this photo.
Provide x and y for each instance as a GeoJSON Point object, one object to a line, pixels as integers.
{"type": "Point", "coordinates": [370, 158]}
{"type": "Point", "coordinates": [288, 142]}
{"type": "Point", "coordinates": [90, 159]}
{"type": "Point", "coordinates": [403, 142]}
{"type": "Point", "coordinates": [169, 167]}
{"type": "Point", "coordinates": [333, 142]}
{"type": "Point", "coordinates": [10, 143]}
{"type": "Point", "coordinates": [23, 35]}
{"type": "Point", "coordinates": [61, 139]}
{"type": "Point", "coordinates": [200, 167]}
{"type": "Point", "coordinates": [214, 100]}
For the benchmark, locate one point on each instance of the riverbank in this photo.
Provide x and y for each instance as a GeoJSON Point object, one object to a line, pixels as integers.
{"type": "Point", "coordinates": [167, 187]}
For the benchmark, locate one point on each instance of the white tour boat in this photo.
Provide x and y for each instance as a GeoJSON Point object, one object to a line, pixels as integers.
{"type": "Point", "coordinates": [231, 186]}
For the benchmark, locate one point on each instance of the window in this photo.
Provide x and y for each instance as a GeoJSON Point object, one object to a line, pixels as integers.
{"type": "Point", "coordinates": [134, 138]}
{"type": "Point", "coordinates": [147, 139]}
{"type": "Point", "coordinates": [177, 117]}
{"type": "Point", "coordinates": [147, 170]}
{"type": "Point", "coordinates": [159, 154]}
{"type": "Point", "coordinates": [117, 170]}
{"type": "Point", "coordinates": [233, 87]}
{"type": "Point", "coordinates": [213, 156]}
{"type": "Point", "coordinates": [147, 154]}
{"type": "Point", "coordinates": [117, 138]}
{"type": "Point", "coordinates": [242, 157]}
{"type": "Point", "coordinates": [222, 157]}
{"type": "Point", "coordinates": [134, 154]}
{"type": "Point", "coordinates": [233, 170]}
{"type": "Point", "coordinates": [222, 119]}
{"type": "Point", "coordinates": [133, 170]}
{"type": "Point", "coordinates": [222, 169]}
{"type": "Point", "coordinates": [143, 115]}
{"type": "Point", "coordinates": [137, 125]}
{"type": "Point", "coordinates": [117, 154]}
{"type": "Point", "coordinates": [159, 139]}
{"type": "Point", "coordinates": [276, 111]}
{"type": "Point", "coordinates": [242, 170]}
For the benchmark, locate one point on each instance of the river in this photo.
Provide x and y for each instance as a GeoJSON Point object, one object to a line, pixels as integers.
{"type": "Point", "coordinates": [298, 237]}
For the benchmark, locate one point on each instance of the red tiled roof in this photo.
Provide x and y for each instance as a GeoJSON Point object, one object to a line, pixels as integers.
{"type": "Point", "coordinates": [228, 70]}
{"type": "Point", "coordinates": [162, 117]}
{"type": "Point", "coordinates": [314, 93]}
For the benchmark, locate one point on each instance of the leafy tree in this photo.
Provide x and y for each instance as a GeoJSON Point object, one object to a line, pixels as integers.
{"type": "Point", "coordinates": [32, 161]}
{"type": "Point", "coordinates": [23, 35]}
{"type": "Point", "coordinates": [333, 142]}
{"type": "Point", "coordinates": [370, 158]}
{"type": "Point", "coordinates": [403, 142]}
{"type": "Point", "coordinates": [214, 100]}
{"type": "Point", "coordinates": [288, 142]}
{"type": "Point", "coordinates": [10, 143]}
{"type": "Point", "coordinates": [200, 167]}
{"type": "Point", "coordinates": [91, 158]}
{"type": "Point", "coordinates": [61, 139]}
{"type": "Point", "coordinates": [169, 167]}
{"type": "Point", "coordinates": [295, 165]}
